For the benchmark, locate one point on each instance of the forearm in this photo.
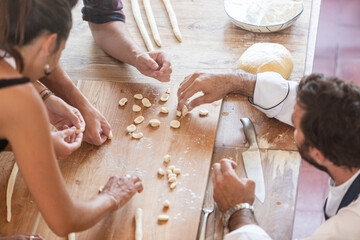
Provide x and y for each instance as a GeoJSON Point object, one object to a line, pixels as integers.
{"type": "Point", "coordinates": [88, 213]}
{"type": "Point", "coordinates": [60, 83]}
{"type": "Point", "coordinates": [241, 218]}
{"type": "Point", "coordinates": [114, 38]}
{"type": "Point", "coordinates": [243, 83]}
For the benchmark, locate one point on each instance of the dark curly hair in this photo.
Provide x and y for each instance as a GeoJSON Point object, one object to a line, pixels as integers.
{"type": "Point", "coordinates": [331, 121]}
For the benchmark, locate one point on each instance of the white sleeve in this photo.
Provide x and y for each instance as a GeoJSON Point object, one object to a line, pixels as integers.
{"type": "Point", "coordinates": [275, 96]}
{"type": "Point", "coordinates": [344, 225]}
{"type": "Point", "coordinates": [248, 232]}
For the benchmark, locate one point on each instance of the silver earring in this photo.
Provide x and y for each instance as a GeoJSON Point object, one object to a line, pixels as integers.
{"type": "Point", "coordinates": [47, 70]}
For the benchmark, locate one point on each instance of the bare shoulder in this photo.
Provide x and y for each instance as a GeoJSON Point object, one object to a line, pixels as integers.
{"type": "Point", "coordinates": [20, 105]}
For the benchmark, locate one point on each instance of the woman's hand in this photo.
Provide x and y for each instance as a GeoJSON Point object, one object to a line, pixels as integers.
{"type": "Point", "coordinates": [63, 115]}
{"type": "Point", "coordinates": [122, 189]}
{"type": "Point", "coordinates": [65, 142]}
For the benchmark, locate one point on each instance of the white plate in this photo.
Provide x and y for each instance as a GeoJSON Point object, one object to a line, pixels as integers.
{"type": "Point", "coordinates": [248, 14]}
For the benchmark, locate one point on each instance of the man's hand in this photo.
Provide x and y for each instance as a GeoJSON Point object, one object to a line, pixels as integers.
{"type": "Point", "coordinates": [229, 189]}
{"type": "Point", "coordinates": [154, 64]}
{"type": "Point", "coordinates": [97, 127]}
{"type": "Point", "coordinates": [62, 115]}
{"type": "Point", "coordinates": [65, 142]}
{"type": "Point", "coordinates": [214, 86]}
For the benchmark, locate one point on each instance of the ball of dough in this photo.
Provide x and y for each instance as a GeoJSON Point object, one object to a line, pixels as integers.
{"type": "Point", "coordinates": [267, 57]}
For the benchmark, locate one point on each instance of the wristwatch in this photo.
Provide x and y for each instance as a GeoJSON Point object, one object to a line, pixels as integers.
{"type": "Point", "coordinates": [227, 215]}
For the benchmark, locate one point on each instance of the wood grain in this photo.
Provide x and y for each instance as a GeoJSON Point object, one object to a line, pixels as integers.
{"type": "Point", "coordinates": [210, 42]}
{"type": "Point", "coordinates": [281, 178]}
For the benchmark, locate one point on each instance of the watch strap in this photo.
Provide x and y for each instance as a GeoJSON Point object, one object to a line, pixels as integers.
{"type": "Point", "coordinates": [227, 215]}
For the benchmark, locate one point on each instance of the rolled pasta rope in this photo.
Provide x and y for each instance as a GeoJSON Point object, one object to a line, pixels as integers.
{"type": "Point", "coordinates": [138, 224]}
{"type": "Point", "coordinates": [10, 189]}
{"type": "Point", "coordinates": [137, 15]}
{"type": "Point", "coordinates": [36, 224]}
{"type": "Point", "coordinates": [173, 19]}
{"type": "Point", "coordinates": [71, 236]}
{"type": "Point", "coordinates": [152, 22]}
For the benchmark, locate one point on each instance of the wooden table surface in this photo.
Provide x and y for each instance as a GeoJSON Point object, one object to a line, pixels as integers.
{"type": "Point", "coordinates": [210, 42]}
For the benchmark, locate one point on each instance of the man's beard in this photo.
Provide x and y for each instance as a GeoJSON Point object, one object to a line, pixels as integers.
{"type": "Point", "coordinates": [304, 153]}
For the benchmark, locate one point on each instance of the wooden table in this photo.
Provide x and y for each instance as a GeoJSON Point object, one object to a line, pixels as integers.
{"type": "Point", "coordinates": [210, 42]}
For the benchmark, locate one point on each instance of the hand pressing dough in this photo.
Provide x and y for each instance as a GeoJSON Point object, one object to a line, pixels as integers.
{"type": "Point", "coordinates": [164, 97]}
{"type": "Point", "coordinates": [178, 113]}
{"type": "Point", "coordinates": [166, 204]}
{"type": "Point", "coordinates": [167, 158]}
{"type": "Point", "coordinates": [110, 135]}
{"type": "Point", "coordinates": [164, 110]}
{"type": "Point", "coordinates": [161, 172]}
{"type": "Point", "coordinates": [203, 112]}
{"type": "Point", "coordinates": [267, 57]}
{"type": "Point", "coordinates": [138, 96]}
{"type": "Point", "coordinates": [10, 190]}
{"type": "Point", "coordinates": [137, 135]}
{"type": "Point", "coordinates": [163, 218]}
{"type": "Point", "coordinates": [146, 102]}
{"type": "Point", "coordinates": [138, 224]}
{"type": "Point", "coordinates": [154, 123]}
{"type": "Point", "coordinates": [123, 101]}
{"type": "Point", "coordinates": [71, 236]}
{"type": "Point", "coordinates": [79, 130]}
{"type": "Point", "coordinates": [131, 128]}
{"type": "Point", "coordinates": [136, 108]}
{"type": "Point", "coordinates": [175, 124]}
{"type": "Point", "coordinates": [139, 120]}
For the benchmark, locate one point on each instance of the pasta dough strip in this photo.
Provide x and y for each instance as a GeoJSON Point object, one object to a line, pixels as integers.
{"type": "Point", "coordinates": [152, 22]}
{"type": "Point", "coordinates": [138, 223]}
{"type": "Point", "coordinates": [140, 24]}
{"type": "Point", "coordinates": [36, 224]}
{"type": "Point", "coordinates": [71, 236]}
{"type": "Point", "coordinates": [173, 19]}
{"type": "Point", "coordinates": [10, 189]}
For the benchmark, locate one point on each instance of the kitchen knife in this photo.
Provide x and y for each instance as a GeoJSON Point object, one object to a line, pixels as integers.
{"type": "Point", "coordinates": [252, 160]}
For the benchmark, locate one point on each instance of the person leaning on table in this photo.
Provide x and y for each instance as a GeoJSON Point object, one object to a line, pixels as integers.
{"type": "Point", "coordinates": [34, 32]}
{"type": "Point", "coordinates": [326, 117]}
{"type": "Point", "coordinates": [107, 24]}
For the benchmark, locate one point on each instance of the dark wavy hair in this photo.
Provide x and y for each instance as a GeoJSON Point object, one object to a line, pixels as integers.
{"type": "Point", "coordinates": [21, 21]}
{"type": "Point", "coordinates": [331, 121]}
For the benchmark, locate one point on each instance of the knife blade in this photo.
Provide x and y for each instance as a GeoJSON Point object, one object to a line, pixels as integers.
{"type": "Point", "coordinates": [252, 160]}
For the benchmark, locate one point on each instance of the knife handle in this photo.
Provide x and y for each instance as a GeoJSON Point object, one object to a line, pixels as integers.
{"type": "Point", "coordinates": [249, 131]}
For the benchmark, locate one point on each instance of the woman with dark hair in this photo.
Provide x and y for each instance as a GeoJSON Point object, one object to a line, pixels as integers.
{"type": "Point", "coordinates": [34, 32]}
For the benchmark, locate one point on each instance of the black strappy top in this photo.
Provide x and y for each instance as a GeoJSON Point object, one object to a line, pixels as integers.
{"type": "Point", "coordinates": [9, 83]}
